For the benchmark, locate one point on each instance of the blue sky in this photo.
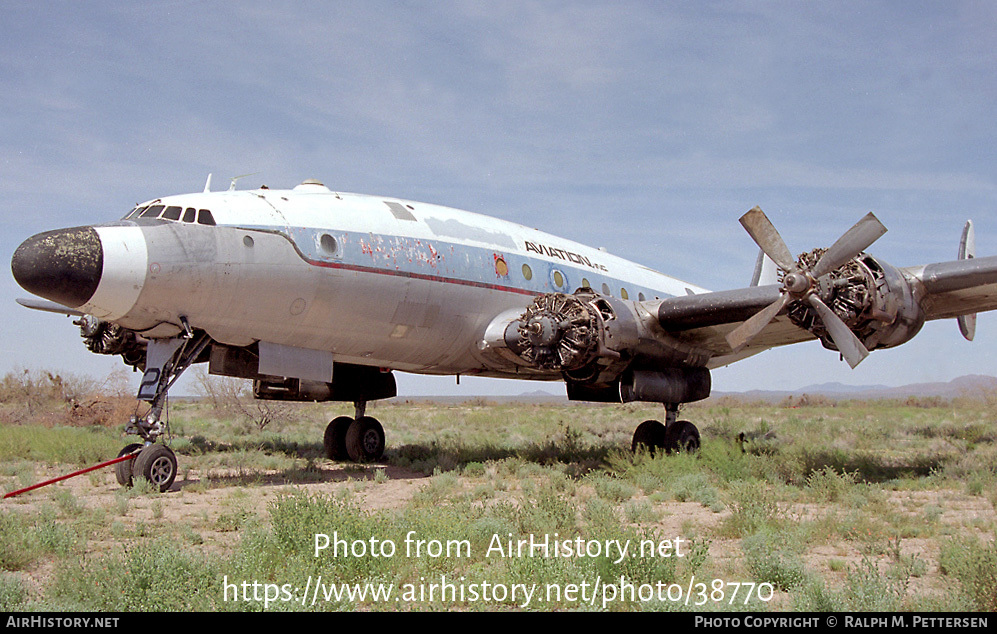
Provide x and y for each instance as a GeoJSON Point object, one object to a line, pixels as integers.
{"type": "Point", "coordinates": [647, 128]}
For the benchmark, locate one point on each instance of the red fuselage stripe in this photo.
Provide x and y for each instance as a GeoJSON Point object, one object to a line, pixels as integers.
{"type": "Point", "coordinates": [420, 276]}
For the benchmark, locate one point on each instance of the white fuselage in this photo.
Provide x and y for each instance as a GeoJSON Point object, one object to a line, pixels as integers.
{"type": "Point", "coordinates": [373, 280]}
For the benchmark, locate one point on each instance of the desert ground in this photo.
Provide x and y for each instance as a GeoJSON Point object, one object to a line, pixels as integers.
{"type": "Point", "coordinates": [821, 505]}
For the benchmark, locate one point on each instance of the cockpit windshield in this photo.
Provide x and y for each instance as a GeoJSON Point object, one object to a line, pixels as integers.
{"type": "Point", "coordinates": [175, 213]}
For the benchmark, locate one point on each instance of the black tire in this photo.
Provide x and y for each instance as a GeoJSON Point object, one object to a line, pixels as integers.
{"type": "Point", "coordinates": [650, 435]}
{"type": "Point", "coordinates": [683, 436]}
{"type": "Point", "coordinates": [365, 440]}
{"type": "Point", "coordinates": [335, 438]}
{"type": "Point", "coordinates": [123, 470]}
{"type": "Point", "coordinates": [158, 465]}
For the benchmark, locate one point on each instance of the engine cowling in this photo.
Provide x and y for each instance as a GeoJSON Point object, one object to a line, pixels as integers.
{"type": "Point", "coordinates": [598, 344]}
{"type": "Point", "coordinates": [104, 337]}
{"type": "Point", "coordinates": [558, 332]}
{"type": "Point", "coordinates": [583, 336]}
{"type": "Point", "coordinates": [874, 299]}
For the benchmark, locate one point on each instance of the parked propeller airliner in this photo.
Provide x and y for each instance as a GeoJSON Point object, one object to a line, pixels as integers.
{"type": "Point", "coordinates": [317, 295]}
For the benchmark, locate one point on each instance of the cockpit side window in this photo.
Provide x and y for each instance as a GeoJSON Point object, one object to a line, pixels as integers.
{"type": "Point", "coordinates": [189, 214]}
{"type": "Point", "coordinates": [204, 217]}
{"type": "Point", "coordinates": [152, 211]}
{"type": "Point", "coordinates": [172, 213]}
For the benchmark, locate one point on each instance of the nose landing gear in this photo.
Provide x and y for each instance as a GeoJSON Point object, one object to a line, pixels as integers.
{"type": "Point", "coordinates": [166, 360]}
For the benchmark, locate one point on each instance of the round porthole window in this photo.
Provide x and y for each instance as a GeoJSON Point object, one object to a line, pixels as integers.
{"type": "Point", "coordinates": [605, 289]}
{"type": "Point", "coordinates": [527, 272]}
{"type": "Point", "coordinates": [624, 294]}
{"type": "Point", "coordinates": [329, 244]}
{"type": "Point", "coordinates": [585, 283]}
{"type": "Point", "coordinates": [501, 268]}
{"type": "Point", "coordinates": [558, 279]}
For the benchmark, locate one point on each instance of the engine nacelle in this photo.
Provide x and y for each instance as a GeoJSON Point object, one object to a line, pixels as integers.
{"type": "Point", "coordinates": [103, 337]}
{"type": "Point", "coordinates": [668, 385]}
{"type": "Point", "coordinates": [585, 336]}
{"type": "Point", "coordinates": [874, 299]}
{"type": "Point", "coordinates": [349, 383]}
{"type": "Point", "coordinates": [592, 340]}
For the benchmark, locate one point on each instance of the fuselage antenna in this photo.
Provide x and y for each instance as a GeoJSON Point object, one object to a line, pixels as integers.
{"type": "Point", "coordinates": [207, 184]}
{"type": "Point", "coordinates": [231, 187]}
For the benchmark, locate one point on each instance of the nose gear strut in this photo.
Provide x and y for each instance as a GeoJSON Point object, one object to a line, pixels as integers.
{"type": "Point", "coordinates": [166, 360]}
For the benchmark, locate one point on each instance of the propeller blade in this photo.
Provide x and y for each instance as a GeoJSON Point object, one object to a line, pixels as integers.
{"type": "Point", "coordinates": [765, 235]}
{"type": "Point", "coordinates": [848, 344]}
{"type": "Point", "coordinates": [740, 336]}
{"type": "Point", "coordinates": [854, 241]}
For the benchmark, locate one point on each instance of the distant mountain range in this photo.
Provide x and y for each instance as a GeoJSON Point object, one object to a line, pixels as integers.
{"type": "Point", "coordinates": [970, 385]}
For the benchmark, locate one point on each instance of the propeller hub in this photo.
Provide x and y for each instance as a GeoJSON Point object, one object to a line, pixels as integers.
{"type": "Point", "coordinates": [796, 283]}
{"type": "Point", "coordinates": [542, 330]}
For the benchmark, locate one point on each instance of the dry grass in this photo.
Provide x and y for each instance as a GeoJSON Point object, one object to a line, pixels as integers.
{"type": "Point", "coordinates": [860, 506]}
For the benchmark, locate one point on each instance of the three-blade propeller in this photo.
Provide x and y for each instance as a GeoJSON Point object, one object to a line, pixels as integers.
{"type": "Point", "coordinates": [800, 284]}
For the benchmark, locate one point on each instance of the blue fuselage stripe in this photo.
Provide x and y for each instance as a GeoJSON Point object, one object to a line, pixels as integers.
{"type": "Point", "coordinates": [453, 263]}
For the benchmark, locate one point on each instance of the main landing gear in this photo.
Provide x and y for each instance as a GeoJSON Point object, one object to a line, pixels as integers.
{"type": "Point", "coordinates": [166, 360]}
{"type": "Point", "coordinates": [672, 435]}
{"type": "Point", "coordinates": [360, 439]}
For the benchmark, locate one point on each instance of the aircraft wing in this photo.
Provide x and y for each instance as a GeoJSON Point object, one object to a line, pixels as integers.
{"type": "Point", "coordinates": [933, 291]}
{"type": "Point", "coordinates": [705, 320]}
{"type": "Point", "coordinates": [959, 287]}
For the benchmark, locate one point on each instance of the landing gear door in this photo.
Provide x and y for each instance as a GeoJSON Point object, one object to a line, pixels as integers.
{"type": "Point", "coordinates": [158, 354]}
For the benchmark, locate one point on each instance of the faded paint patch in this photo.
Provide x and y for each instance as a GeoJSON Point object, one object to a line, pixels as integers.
{"type": "Point", "coordinates": [457, 229]}
{"type": "Point", "coordinates": [416, 315]}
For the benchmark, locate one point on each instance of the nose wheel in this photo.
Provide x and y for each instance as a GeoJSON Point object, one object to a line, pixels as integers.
{"type": "Point", "coordinates": [123, 470]}
{"type": "Point", "coordinates": [156, 463]}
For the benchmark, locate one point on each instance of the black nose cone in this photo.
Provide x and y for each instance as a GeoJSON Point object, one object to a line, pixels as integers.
{"type": "Point", "coordinates": [63, 266]}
